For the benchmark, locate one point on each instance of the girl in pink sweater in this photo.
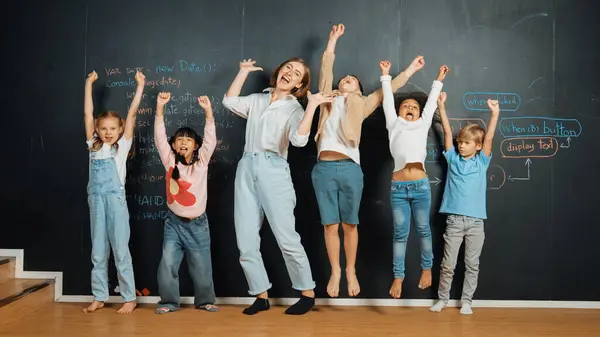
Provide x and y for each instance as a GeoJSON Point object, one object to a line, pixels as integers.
{"type": "Point", "coordinates": [185, 157]}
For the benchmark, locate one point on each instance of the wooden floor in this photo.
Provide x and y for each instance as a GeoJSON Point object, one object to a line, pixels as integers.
{"type": "Point", "coordinates": [66, 320]}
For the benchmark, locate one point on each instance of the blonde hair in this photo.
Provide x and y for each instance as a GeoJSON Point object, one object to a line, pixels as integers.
{"type": "Point", "coordinates": [97, 144]}
{"type": "Point", "coordinates": [472, 132]}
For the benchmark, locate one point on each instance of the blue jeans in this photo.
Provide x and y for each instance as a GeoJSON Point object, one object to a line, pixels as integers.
{"type": "Point", "coordinates": [109, 220]}
{"type": "Point", "coordinates": [192, 238]}
{"type": "Point", "coordinates": [411, 198]}
{"type": "Point", "coordinates": [263, 185]}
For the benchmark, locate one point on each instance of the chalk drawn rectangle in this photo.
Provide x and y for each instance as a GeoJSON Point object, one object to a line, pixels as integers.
{"type": "Point", "coordinates": [529, 143]}
{"type": "Point", "coordinates": [528, 126]}
{"type": "Point", "coordinates": [477, 101]}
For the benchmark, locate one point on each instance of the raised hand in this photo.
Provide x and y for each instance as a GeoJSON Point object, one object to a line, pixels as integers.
{"type": "Point", "coordinates": [140, 78]}
{"type": "Point", "coordinates": [494, 107]}
{"type": "Point", "coordinates": [417, 64]}
{"type": "Point", "coordinates": [91, 77]}
{"type": "Point", "coordinates": [442, 73]}
{"type": "Point", "coordinates": [319, 98]}
{"type": "Point", "coordinates": [336, 31]}
{"type": "Point", "coordinates": [204, 102]}
{"type": "Point", "coordinates": [385, 67]}
{"type": "Point", "coordinates": [163, 98]}
{"type": "Point", "coordinates": [442, 98]}
{"type": "Point", "coordinates": [249, 66]}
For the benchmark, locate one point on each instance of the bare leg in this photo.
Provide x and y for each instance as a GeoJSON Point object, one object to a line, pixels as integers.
{"type": "Point", "coordinates": [332, 242]}
{"type": "Point", "coordinates": [350, 248]}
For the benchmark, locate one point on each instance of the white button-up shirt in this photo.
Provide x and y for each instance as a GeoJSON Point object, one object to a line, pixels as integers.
{"type": "Point", "coordinates": [271, 126]}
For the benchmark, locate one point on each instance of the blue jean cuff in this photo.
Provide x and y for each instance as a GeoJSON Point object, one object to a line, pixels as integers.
{"type": "Point", "coordinates": [305, 289]}
{"type": "Point", "coordinates": [254, 293]}
{"type": "Point", "coordinates": [168, 306]}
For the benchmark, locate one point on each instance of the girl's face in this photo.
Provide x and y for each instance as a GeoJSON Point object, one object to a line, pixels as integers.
{"type": "Point", "coordinates": [185, 146]}
{"type": "Point", "coordinates": [349, 84]}
{"type": "Point", "coordinates": [409, 110]}
{"type": "Point", "coordinates": [290, 76]}
{"type": "Point", "coordinates": [109, 129]}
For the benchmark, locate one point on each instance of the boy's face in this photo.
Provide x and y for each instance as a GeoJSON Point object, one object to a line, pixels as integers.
{"type": "Point", "coordinates": [468, 148]}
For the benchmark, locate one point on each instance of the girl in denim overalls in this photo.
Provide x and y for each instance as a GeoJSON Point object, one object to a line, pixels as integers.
{"type": "Point", "coordinates": [109, 143]}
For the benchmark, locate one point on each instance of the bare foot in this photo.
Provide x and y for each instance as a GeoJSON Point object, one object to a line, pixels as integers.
{"type": "Point", "coordinates": [93, 307]}
{"type": "Point", "coordinates": [396, 289]}
{"type": "Point", "coordinates": [425, 281]}
{"type": "Point", "coordinates": [353, 286]}
{"type": "Point", "coordinates": [127, 307]}
{"type": "Point", "coordinates": [333, 287]}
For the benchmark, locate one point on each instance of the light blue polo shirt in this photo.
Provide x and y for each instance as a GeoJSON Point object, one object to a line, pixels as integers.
{"type": "Point", "coordinates": [466, 184]}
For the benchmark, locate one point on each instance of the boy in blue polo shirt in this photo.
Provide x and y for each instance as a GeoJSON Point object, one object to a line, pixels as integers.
{"type": "Point", "coordinates": [464, 202]}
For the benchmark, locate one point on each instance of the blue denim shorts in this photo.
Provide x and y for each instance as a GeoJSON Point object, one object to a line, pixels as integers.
{"type": "Point", "coordinates": [338, 187]}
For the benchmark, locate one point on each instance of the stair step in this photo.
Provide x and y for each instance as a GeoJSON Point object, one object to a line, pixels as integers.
{"type": "Point", "coordinates": [7, 268]}
{"type": "Point", "coordinates": [15, 289]}
{"type": "Point", "coordinates": [20, 298]}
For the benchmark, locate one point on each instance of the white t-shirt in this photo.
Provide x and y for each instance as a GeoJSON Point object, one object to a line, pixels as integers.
{"type": "Point", "coordinates": [120, 156]}
{"type": "Point", "coordinates": [333, 138]}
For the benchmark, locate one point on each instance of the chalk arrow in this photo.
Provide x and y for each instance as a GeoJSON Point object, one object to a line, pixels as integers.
{"type": "Point", "coordinates": [436, 181]}
{"type": "Point", "coordinates": [528, 164]}
{"type": "Point", "coordinates": [568, 144]}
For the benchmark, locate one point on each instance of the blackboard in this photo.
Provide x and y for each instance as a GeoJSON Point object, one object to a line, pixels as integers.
{"type": "Point", "coordinates": [537, 57]}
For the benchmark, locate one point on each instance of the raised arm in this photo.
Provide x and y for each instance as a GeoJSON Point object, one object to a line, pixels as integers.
{"type": "Point", "coordinates": [375, 98]}
{"type": "Point", "coordinates": [489, 135]}
{"type": "Point", "coordinates": [160, 132]}
{"type": "Point", "coordinates": [88, 106]}
{"type": "Point", "coordinates": [140, 79]}
{"type": "Point", "coordinates": [436, 89]}
{"type": "Point", "coordinates": [313, 102]}
{"type": "Point", "coordinates": [232, 100]}
{"type": "Point", "coordinates": [445, 122]}
{"type": "Point", "coordinates": [209, 143]}
{"type": "Point", "coordinates": [326, 73]}
{"type": "Point", "coordinates": [389, 109]}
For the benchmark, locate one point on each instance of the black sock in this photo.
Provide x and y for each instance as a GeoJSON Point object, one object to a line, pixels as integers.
{"type": "Point", "coordinates": [301, 307]}
{"type": "Point", "coordinates": [260, 304]}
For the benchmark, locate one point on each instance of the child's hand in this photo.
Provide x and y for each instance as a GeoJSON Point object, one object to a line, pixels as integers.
{"type": "Point", "coordinates": [163, 98]}
{"type": "Point", "coordinates": [442, 73]}
{"type": "Point", "coordinates": [140, 78]}
{"type": "Point", "coordinates": [336, 31]}
{"type": "Point", "coordinates": [319, 98]}
{"type": "Point", "coordinates": [494, 107]}
{"type": "Point", "coordinates": [204, 102]}
{"type": "Point", "coordinates": [385, 67]}
{"type": "Point", "coordinates": [442, 98]}
{"type": "Point", "coordinates": [249, 66]}
{"type": "Point", "coordinates": [417, 64]}
{"type": "Point", "coordinates": [92, 77]}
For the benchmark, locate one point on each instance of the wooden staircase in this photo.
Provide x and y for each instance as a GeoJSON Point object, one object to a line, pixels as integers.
{"type": "Point", "coordinates": [20, 297]}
